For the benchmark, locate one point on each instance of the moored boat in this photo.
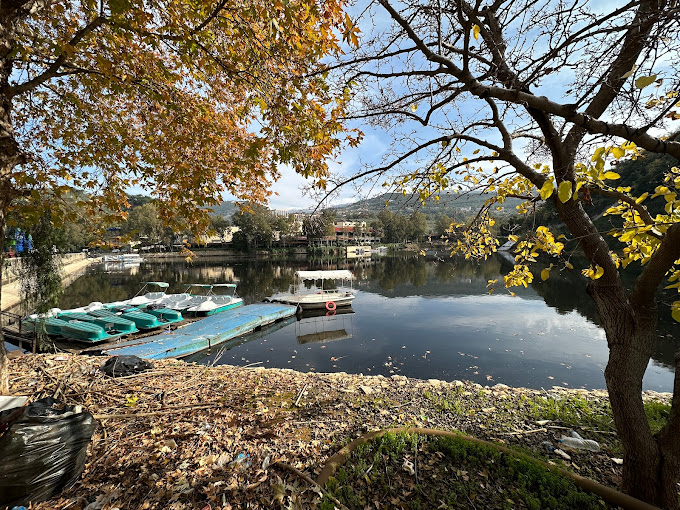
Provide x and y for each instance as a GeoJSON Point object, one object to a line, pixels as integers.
{"type": "Point", "coordinates": [216, 303]}
{"type": "Point", "coordinates": [330, 299]}
{"type": "Point", "coordinates": [111, 323]}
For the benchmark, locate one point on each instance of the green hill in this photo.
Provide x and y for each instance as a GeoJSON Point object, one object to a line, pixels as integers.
{"type": "Point", "coordinates": [452, 205]}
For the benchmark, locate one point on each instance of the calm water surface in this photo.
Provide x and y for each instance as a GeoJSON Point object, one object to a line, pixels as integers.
{"type": "Point", "coordinates": [413, 317]}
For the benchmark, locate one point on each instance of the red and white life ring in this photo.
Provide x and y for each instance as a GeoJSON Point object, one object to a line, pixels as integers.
{"type": "Point", "coordinates": [330, 306]}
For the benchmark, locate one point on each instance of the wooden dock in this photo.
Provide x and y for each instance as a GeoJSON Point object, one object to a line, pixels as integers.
{"type": "Point", "coordinates": [202, 334]}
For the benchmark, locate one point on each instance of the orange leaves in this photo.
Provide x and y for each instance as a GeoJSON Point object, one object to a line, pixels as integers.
{"type": "Point", "coordinates": [182, 99]}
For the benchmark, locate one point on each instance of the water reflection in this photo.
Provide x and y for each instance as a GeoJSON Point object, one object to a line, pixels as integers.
{"type": "Point", "coordinates": [414, 317]}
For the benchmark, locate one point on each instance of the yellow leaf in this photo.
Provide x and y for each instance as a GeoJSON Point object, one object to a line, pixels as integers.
{"type": "Point", "coordinates": [414, 107]}
{"type": "Point", "coordinates": [547, 189]}
{"type": "Point", "coordinates": [629, 73]}
{"type": "Point", "coordinates": [564, 191]}
{"type": "Point", "coordinates": [545, 274]}
{"type": "Point", "coordinates": [618, 152]}
{"type": "Point", "coordinates": [611, 175]}
{"type": "Point", "coordinates": [597, 154]}
{"type": "Point", "coordinates": [641, 198]}
{"type": "Point", "coordinates": [476, 152]}
{"type": "Point", "coordinates": [599, 271]}
{"type": "Point", "coordinates": [644, 81]}
{"type": "Point", "coordinates": [457, 149]}
{"type": "Point", "coordinates": [675, 311]}
{"type": "Point", "coordinates": [475, 32]}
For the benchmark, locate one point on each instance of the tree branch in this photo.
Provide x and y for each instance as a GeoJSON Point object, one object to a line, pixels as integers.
{"type": "Point", "coordinates": [655, 270]}
{"type": "Point", "coordinates": [53, 69]}
{"type": "Point", "coordinates": [641, 209]}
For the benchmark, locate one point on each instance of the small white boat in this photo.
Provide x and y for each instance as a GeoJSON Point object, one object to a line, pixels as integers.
{"type": "Point", "coordinates": [151, 297]}
{"type": "Point", "coordinates": [330, 299]}
{"type": "Point", "coordinates": [216, 303]}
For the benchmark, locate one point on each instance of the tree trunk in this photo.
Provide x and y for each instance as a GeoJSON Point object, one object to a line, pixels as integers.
{"type": "Point", "coordinates": [10, 154]}
{"type": "Point", "coordinates": [650, 472]}
{"type": "Point", "coordinates": [4, 379]}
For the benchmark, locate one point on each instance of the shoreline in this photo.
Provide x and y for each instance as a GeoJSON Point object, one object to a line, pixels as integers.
{"type": "Point", "coordinates": [179, 425]}
{"type": "Point", "coordinates": [11, 291]}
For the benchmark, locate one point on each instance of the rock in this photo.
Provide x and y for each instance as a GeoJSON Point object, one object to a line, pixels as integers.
{"type": "Point", "coordinates": [617, 461]}
{"type": "Point", "coordinates": [458, 383]}
{"type": "Point", "coordinates": [366, 389]}
{"type": "Point", "coordinates": [501, 386]}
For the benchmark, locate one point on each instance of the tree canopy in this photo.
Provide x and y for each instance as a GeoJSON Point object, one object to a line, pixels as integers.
{"type": "Point", "coordinates": [184, 100]}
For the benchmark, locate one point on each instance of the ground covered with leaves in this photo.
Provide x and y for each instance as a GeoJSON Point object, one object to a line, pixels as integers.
{"type": "Point", "coordinates": [171, 438]}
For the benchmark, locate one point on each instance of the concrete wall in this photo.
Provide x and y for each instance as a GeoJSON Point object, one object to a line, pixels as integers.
{"type": "Point", "coordinates": [12, 267]}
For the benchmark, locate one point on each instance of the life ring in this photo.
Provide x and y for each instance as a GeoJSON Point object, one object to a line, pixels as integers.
{"type": "Point", "coordinates": [330, 313]}
{"type": "Point", "coordinates": [330, 306]}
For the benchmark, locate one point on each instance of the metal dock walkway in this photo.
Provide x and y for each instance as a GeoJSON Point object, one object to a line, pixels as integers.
{"type": "Point", "coordinates": [203, 334]}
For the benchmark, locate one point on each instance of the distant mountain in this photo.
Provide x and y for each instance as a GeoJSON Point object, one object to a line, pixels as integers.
{"type": "Point", "coordinates": [226, 209]}
{"type": "Point", "coordinates": [453, 205]}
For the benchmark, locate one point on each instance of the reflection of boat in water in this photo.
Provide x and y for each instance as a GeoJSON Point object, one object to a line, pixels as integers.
{"type": "Point", "coordinates": [317, 312]}
{"type": "Point", "coordinates": [119, 267]}
{"type": "Point", "coordinates": [125, 258]}
{"type": "Point", "coordinates": [315, 327]}
{"type": "Point", "coordinates": [326, 298]}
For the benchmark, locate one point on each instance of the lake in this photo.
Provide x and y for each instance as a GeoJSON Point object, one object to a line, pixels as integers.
{"type": "Point", "coordinates": [414, 317]}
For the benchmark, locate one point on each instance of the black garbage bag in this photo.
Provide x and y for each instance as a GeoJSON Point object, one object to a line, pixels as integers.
{"type": "Point", "coordinates": [120, 366]}
{"type": "Point", "coordinates": [42, 451]}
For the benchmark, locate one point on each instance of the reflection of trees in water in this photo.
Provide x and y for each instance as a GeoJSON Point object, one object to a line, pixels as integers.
{"type": "Point", "coordinates": [260, 279]}
{"type": "Point", "coordinates": [566, 291]}
{"type": "Point", "coordinates": [460, 276]}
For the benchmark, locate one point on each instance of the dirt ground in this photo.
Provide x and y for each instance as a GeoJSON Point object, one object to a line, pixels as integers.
{"type": "Point", "coordinates": [168, 438]}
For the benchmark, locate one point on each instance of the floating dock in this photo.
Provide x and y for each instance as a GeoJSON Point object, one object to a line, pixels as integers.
{"type": "Point", "coordinates": [202, 334]}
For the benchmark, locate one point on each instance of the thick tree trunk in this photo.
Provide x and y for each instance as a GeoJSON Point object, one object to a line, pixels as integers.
{"type": "Point", "coordinates": [10, 154]}
{"type": "Point", "coordinates": [650, 471]}
{"type": "Point", "coordinates": [651, 465]}
{"type": "Point", "coordinates": [4, 380]}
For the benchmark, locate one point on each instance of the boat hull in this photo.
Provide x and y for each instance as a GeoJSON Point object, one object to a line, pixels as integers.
{"type": "Point", "coordinates": [208, 313]}
{"type": "Point", "coordinates": [317, 301]}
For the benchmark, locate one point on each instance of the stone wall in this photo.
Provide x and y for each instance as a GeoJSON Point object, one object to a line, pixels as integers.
{"type": "Point", "coordinates": [12, 267]}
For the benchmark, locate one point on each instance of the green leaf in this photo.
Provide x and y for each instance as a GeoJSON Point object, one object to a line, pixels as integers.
{"type": "Point", "coordinates": [564, 191]}
{"type": "Point", "coordinates": [547, 189]}
{"type": "Point", "coordinates": [644, 81]}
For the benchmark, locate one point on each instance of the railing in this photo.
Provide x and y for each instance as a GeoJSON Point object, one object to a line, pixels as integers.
{"type": "Point", "coordinates": [14, 331]}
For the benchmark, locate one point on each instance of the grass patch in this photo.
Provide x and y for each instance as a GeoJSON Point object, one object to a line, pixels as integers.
{"type": "Point", "coordinates": [657, 414]}
{"type": "Point", "coordinates": [572, 411]}
{"type": "Point", "coordinates": [448, 473]}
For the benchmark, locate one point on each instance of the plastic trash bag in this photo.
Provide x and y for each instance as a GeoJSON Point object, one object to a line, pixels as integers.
{"type": "Point", "coordinates": [121, 366]}
{"type": "Point", "coordinates": [43, 450]}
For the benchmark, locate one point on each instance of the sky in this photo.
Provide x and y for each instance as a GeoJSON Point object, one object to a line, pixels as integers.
{"type": "Point", "coordinates": [376, 143]}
